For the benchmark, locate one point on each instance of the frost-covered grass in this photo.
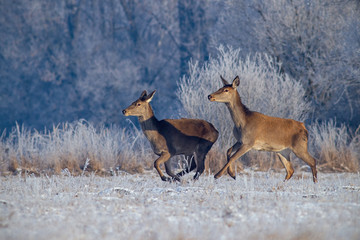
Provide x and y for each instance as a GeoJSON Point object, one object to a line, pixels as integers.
{"type": "Point", "coordinates": [337, 148]}
{"type": "Point", "coordinates": [141, 206]}
{"type": "Point", "coordinates": [77, 147]}
{"type": "Point", "coordinates": [80, 148]}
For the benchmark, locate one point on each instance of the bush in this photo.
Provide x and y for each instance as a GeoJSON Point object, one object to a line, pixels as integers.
{"type": "Point", "coordinates": [77, 148]}
{"type": "Point", "coordinates": [336, 147]}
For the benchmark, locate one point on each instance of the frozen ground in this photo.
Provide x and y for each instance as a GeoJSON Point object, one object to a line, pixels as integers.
{"type": "Point", "coordinates": [255, 206]}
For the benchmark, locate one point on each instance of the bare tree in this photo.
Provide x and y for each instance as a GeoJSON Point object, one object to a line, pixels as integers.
{"type": "Point", "coordinates": [192, 32]}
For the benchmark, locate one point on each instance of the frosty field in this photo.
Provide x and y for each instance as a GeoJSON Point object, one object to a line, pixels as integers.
{"type": "Point", "coordinates": [258, 205]}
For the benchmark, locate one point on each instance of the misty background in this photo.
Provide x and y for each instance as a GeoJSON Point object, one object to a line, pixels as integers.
{"type": "Point", "coordinates": [65, 60]}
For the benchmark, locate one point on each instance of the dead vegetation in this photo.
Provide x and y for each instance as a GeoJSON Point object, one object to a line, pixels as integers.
{"type": "Point", "coordinates": [337, 148]}
{"type": "Point", "coordinates": [77, 148]}
{"type": "Point", "coordinates": [80, 148]}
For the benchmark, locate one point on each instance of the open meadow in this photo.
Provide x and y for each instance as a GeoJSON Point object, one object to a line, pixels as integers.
{"type": "Point", "coordinates": [258, 205]}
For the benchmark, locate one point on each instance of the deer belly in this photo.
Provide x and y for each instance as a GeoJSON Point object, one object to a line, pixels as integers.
{"type": "Point", "coordinates": [181, 144]}
{"type": "Point", "coordinates": [270, 147]}
{"type": "Point", "coordinates": [187, 149]}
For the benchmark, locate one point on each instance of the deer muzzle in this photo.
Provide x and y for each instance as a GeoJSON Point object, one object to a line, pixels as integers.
{"type": "Point", "coordinates": [211, 98]}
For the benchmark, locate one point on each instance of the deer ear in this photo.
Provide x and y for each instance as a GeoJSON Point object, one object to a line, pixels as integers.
{"type": "Point", "coordinates": [149, 97]}
{"type": "Point", "coordinates": [143, 94]}
{"type": "Point", "coordinates": [236, 82]}
{"type": "Point", "coordinates": [224, 81]}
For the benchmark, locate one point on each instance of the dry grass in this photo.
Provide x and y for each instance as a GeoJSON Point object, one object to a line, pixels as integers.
{"type": "Point", "coordinates": [76, 148]}
{"type": "Point", "coordinates": [337, 148]}
{"type": "Point", "coordinates": [81, 148]}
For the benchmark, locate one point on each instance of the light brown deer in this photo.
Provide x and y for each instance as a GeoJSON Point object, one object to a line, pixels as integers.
{"type": "Point", "coordinates": [169, 137]}
{"type": "Point", "coordinates": [257, 131]}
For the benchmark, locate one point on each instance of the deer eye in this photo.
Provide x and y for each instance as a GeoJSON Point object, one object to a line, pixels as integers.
{"type": "Point", "coordinates": [226, 90]}
{"type": "Point", "coordinates": [138, 104]}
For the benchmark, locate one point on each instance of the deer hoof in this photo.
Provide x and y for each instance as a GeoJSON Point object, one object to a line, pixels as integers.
{"type": "Point", "coordinates": [176, 178]}
{"type": "Point", "coordinates": [231, 174]}
{"type": "Point", "coordinates": [196, 176]}
{"type": "Point", "coordinates": [288, 175]}
{"type": "Point", "coordinates": [315, 179]}
{"type": "Point", "coordinates": [165, 179]}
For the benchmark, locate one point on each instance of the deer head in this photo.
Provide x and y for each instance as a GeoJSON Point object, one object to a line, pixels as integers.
{"type": "Point", "coordinates": [140, 107]}
{"type": "Point", "coordinates": [227, 92]}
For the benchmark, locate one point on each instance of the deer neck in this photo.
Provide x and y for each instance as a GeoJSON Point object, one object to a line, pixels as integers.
{"type": "Point", "coordinates": [150, 128]}
{"type": "Point", "coordinates": [149, 124]}
{"type": "Point", "coordinates": [237, 111]}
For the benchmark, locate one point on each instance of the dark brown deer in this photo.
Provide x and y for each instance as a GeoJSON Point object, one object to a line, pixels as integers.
{"type": "Point", "coordinates": [169, 137]}
{"type": "Point", "coordinates": [257, 131]}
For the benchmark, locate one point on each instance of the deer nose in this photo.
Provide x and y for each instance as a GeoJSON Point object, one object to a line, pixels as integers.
{"type": "Point", "coordinates": [124, 111]}
{"type": "Point", "coordinates": [209, 97]}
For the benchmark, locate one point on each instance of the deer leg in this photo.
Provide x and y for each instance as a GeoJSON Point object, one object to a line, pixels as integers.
{"type": "Point", "coordinates": [299, 147]}
{"type": "Point", "coordinates": [191, 165]}
{"type": "Point", "coordinates": [241, 151]}
{"type": "Point", "coordinates": [300, 150]}
{"type": "Point", "coordinates": [234, 148]}
{"type": "Point", "coordinates": [287, 165]}
{"type": "Point", "coordinates": [169, 172]}
{"type": "Point", "coordinates": [200, 154]}
{"type": "Point", "coordinates": [306, 157]}
{"type": "Point", "coordinates": [165, 156]}
{"type": "Point", "coordinates": [200, 159]}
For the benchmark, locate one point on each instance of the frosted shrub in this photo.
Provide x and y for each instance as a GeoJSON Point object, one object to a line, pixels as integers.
{"type": "Point", "coordinates": [262, 88]}
{"type": "Point", "coordinates": [76, 147]}
{"type": "Point", "coordinates": [336, 147]}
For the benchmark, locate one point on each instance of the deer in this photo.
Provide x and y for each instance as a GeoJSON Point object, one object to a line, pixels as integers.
{"type": "Point", "coordinates": [192, 138]}
{"type": "Point", "coordinates": [254, 130]}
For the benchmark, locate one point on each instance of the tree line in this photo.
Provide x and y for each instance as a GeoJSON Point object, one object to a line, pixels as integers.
{"type": "Point", "coordinates": [65, 60]}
